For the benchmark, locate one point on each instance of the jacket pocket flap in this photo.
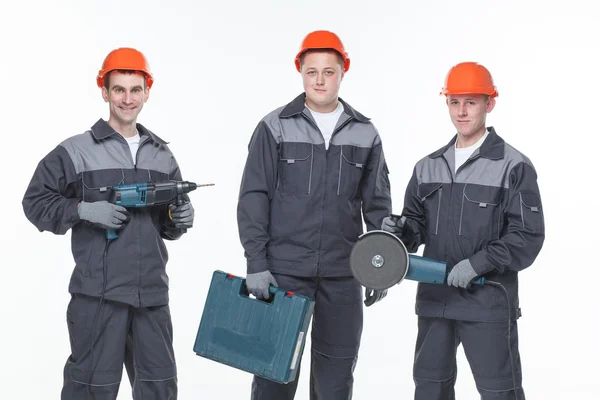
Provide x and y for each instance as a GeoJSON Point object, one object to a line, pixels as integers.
{"type": "Point", "coordinates": [355, 155]}
{"type": "Point", "coordinates": [483, 195]}
{"type": "Point", "coordinates": [295, 151]}
{"type": "Point", "coordinates": [427, 189]}
{"type": "Point", "coordinates": [531, 201]}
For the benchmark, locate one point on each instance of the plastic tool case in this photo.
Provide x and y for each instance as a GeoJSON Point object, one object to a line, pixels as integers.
{"type": "Point", "coordinates": [265, 338]}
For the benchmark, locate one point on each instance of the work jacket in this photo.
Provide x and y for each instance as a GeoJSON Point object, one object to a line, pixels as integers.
{"type": "Point", "coordinates": [83, 168]}
{"type": "Point", "coordinates": [300, 204]}
{"type": "Point", "coordinates": [489, 212]}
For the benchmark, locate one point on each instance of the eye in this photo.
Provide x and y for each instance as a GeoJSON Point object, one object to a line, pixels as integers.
{"type": "Point", "coordinates": [329, 72]}
{"type": "Point", "coordinates": [472, 103]}
{"type": "Point", "coordinates": [311, 72]}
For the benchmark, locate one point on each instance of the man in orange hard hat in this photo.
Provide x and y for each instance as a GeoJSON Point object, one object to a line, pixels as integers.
{"type": "Point", "coordinates": [475, 204]}
{"type": "Point", "coordinates": [313, 165]}
{"type": "Point", "coordinates": [118, 312]}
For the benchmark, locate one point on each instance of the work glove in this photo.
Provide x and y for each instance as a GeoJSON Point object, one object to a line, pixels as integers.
{"type": "Point", "coordinates": [394, 224]}
{"type": "Point", "coordinates": [462, 274]}
{"type": "Point", "coordinates": [373, 296]}
{"type": "Point", "coordinates": [182, 215]}
{"type": "Point", "coordinates": [103, 213]}
{"type": "Point", "coordinates": [258, 284]}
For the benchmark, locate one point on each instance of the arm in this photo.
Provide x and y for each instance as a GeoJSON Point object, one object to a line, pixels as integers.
{"type": "Point", "coordinates": [50, 201]}
{"type": "Point", "coordinates": [415, 228]}
{"type": "Point", "coordinates": [259, 181]}
{"type": "Point", "coordinates": [524, 227]}
{"type": "Point", "coordinates": [376, 197]}
{"type": "Point", "coordinates": [167, 228]}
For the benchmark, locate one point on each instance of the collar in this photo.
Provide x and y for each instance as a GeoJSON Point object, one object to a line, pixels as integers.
{"type": "Point", "coordinates": [492, 148]}
{"type": "Point", "coordinates": [297, 106]}
{"type": "Point", "coordinates": [101, 130]}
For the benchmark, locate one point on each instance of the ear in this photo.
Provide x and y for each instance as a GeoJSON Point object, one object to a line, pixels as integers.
{"type": "Point", "coordinates": [146, 94]}
{"type": "Point", "coordinates": [491, 103]}
{"type": "Point", "coordinates": [105, 94]}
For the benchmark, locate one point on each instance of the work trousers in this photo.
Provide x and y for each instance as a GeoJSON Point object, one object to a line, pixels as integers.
{"type": "Point", "coordinates": [140, 338]}
{"type": "Point", "coordinates": [488, 352]}
{"type": "Point", "coordinates": [335, 339]}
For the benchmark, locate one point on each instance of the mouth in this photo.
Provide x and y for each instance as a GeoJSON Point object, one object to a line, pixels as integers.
{"type": "Point", "coordinates": [320, 90]}
{"type": "Point", "coordinates": [127, 109]}
{"type": "Point", "coordinates": [463, 121]}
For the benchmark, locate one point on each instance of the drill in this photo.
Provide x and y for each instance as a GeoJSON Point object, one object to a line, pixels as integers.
{"type": "Point", "coordinates": [148, 194]}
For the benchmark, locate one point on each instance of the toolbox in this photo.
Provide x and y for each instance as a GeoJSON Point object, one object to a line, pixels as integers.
{"type": "Point", "coordinates": [263, 337]}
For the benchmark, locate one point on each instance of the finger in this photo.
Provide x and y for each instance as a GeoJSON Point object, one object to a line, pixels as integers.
{"type": "Point", "coordinates": [116, 222]}
{"type": "Point", "coordinates": [389, 222]}
{"type": "Point", "coordinates": [121, 216]}
{"type": "Point", "coordinates": [120, 209]}
{"type": "Point", "coordinates": [265, 293]}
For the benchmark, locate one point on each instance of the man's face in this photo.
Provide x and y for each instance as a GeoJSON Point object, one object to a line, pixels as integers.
{"type": "Point", "coordinates": [322, 75]}
{"type": "Point", "coordinates": [468, 112]}
{"type": "Point", "coordinates": [126, 96]}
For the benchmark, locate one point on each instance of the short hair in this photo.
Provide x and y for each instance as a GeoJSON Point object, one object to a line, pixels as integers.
{"type": "Point", "coordinates": [123, 71]}
{"type": "Point", "coordinates": [339, 56]}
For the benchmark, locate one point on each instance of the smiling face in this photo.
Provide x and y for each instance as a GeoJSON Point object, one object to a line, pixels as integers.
{"type": "Point", "coordinates": [322, 75]}
{"type": "Point", "coordinates": [468, 113]}
{"type": "Point", "coordinates": [126, 95]}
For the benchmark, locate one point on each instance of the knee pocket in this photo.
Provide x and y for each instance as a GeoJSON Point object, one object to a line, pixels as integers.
{"type": "Point", "coordinates": [333, 351]}
{"type": "Point", "coordinates": [434, 375]}
{"type": "Point", "coordinates": [497, 385]}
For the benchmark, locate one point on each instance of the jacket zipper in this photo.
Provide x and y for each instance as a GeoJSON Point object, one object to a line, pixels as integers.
{"type": "Point", "coordinates": [324, 184]}
{"type": "Point", "coordinates": [143, 141]}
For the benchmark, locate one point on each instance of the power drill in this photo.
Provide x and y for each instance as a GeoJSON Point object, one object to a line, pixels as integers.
{"type": "Point", "coordinates": [148, 194]}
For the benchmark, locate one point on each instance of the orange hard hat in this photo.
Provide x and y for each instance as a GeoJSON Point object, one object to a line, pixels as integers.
{"type": "Point", "coordinates": [469, 77]}
{"type": "Point", "coordinates": [322, 40]}
{"type": "Point", "coordinates": [128, 59]}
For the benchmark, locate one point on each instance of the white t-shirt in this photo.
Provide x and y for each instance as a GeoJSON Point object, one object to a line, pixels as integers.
{"type": "Point", "coordinates": [134, 143]}
{"type": "Point", "coordinates": [462, 154]}
{"type": "Point", "coordinates": [327, 121]}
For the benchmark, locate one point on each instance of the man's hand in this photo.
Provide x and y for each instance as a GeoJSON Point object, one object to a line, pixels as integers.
{"type": "Point", "coordinates": [462, 274]}
{"type": "Point", "coordinates": [393, 224]}
{"type": "Point", "coordinates": [258, 284]}
{"type": "Point", "coordinates": [103, 213]}
{"type": "Point", "coordinates": [182, 216]}
{"type": "Point", "coordinates": [373, 296]}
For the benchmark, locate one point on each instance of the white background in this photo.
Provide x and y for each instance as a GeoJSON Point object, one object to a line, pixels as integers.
{"type": "Point", "coordinates": [219, 68]}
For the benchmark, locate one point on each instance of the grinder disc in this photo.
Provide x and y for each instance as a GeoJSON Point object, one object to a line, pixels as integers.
{"type": "Point", "coordinates": [379, 260]}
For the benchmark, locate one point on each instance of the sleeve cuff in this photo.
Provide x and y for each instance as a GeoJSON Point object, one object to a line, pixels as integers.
{"type": "Point", "coordinates": [257, 266]}
{"type": "Point", "coordinates": [480, 263]}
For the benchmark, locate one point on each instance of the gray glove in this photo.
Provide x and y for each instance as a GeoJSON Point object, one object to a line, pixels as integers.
{"type": "Point", "coordinates": [373, 296]}
{"type": "Point", "coordinates": [393, 224]}
{"type": "Point", "coordinates": [462, 274]}
{"type": "Point", "coordinates": [182, 216]}
{"type": "Point", "coordinates": [103, 213]}
{"type": "Point", "coordinates": [258, 284]}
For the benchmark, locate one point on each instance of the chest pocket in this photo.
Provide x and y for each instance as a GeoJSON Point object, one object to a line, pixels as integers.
{"type": "Point", "coordinates": [431, 197]}
{"type": "Point", "coordinates": [295, 167]}
{"type": "Point", "coordinates": [353, 163]}
{"type": "Point", "coordinates": [95, 185]}
{"type": "Point", "coordinates": [480, 212]}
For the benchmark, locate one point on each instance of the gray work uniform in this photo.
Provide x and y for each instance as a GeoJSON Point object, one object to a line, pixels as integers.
{"type": "Point", "coordinates": [489, 212]}
{"type": "Point", "coordinates": [83, 168]}
{"type": "Point", "coordinates": [299, 214]}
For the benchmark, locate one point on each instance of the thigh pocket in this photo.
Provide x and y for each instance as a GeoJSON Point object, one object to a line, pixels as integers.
{"type": "Point", "coordinates": [532, 216]}
{"type": "Point", "coordinates": [295, 167]}
{"type": "Point", "coordinates": [353, 162]}
{"type": "Point", "coordinates": [431, 197]}
{"type": "Point", "coordinates": [480, 214]}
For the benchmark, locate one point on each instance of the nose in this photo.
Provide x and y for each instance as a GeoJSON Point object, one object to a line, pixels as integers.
{"type": "Point", "coordinates": [128, 97]}
{"type": "Point", "coordinates": [320, 79]}
{"type": "Point", "coordinates": [462, 110]}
